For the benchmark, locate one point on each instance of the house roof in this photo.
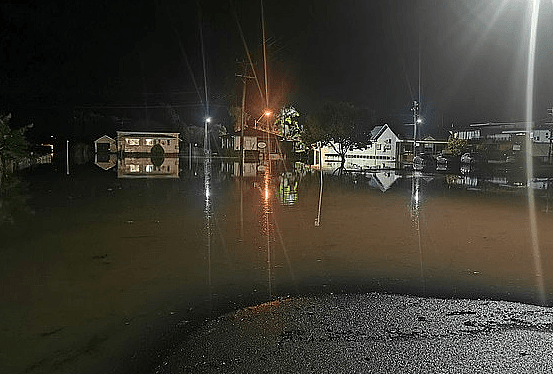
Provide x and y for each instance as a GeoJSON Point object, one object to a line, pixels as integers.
{"type": "Point", "coordinates": [500, 124]}
{"type": "Point", "coordinates": [150, 134]}
{"type": "Point", "coordinates": [105, 139]}
{"type": "Point", "coordinates": [375, 132]}
{"type": "Point", "coordinates": [402, 131]}
{"type": "Point", "coordinates": [378, 130]}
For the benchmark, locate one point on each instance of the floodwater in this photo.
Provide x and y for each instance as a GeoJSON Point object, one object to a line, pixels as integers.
{"type": "Point", "coordinates": [104, 271]}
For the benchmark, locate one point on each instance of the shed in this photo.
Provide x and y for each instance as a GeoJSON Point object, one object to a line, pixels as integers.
{"type": "Point", "coordinates": [105, 144]}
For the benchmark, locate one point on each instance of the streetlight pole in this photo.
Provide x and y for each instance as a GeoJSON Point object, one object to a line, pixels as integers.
{"type": "Point", "coordinates": [416, 120]}
{"type": "Point", "coordinates": [206, 121]}
{"type": "Point", "coordinates": [267, 113]}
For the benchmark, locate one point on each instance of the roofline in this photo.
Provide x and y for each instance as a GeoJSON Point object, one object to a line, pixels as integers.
{"type": "Point", "coordinates": [149, 133]}
{"type": "Point", "coordinates": [104, 136]}
{"type": "Point", "coordinates": [382, 129]}
{"type": "Point", "coordinates": [499, 123]}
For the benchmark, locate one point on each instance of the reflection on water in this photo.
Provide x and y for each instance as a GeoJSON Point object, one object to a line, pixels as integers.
{"type": "Point", "coordinates": [13, 200]}
{"type": "Point", "coordinates": [148, 167]}
{"type": "Point", "coordinates": [288, 188]}
{"type": "Point", "coordinates": [417, 196]}
{"type": "Point", "coordinates": [103, 257]}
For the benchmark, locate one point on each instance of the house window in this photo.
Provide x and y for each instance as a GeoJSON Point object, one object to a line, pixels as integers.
{"type": "Point", "coordinates": [134, 168]}
{"type": "Point", "coordinates": [149, 168]}
{"type": "Point", "coordinates": [149, 141]}
{"type": "Point", "coordinates": [133, 141]}
{"type": "Point", "coordinates": [378, 146]}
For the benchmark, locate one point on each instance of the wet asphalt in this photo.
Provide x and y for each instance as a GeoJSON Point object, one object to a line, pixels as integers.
{"type": "Point", "coordinates": [371, 333]}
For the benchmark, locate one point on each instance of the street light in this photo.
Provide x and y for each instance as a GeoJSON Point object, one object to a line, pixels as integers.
{"type": "Point", "coordinates": [206, 121]}
{"type": "Point", "coordinates": [267, 113]}
{"type": "Point", "coordinates": [416, 120]}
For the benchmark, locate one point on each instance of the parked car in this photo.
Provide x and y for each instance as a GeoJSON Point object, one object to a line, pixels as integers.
{"type": "Point", "coordinates": [424, 162]}
{"type": "Point", "coordinates": [471, 158]}
{"type": "Point", "coordinates": [447, 162]}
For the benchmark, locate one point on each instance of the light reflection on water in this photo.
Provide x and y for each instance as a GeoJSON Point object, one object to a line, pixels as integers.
{"type": "Point", "coordinates": [102, 251]}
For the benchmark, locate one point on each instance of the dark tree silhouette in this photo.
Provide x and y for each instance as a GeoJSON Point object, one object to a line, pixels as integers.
{"type": "Point", "coordinates": [338, 125]}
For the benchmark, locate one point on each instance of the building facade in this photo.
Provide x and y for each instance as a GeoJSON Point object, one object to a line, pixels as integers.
{"type": "Point", "coordinates": [387, 150]}
{"type": "Point", "coordinates": [144, 142]}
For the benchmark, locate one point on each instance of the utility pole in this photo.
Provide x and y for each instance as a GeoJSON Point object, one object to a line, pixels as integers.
{"type": "Point", "coordinates": [243, 77]}
{"type": "Point", "coordinates": [550, 153]}
{"type": "Point", "coordinates": [415, 110]}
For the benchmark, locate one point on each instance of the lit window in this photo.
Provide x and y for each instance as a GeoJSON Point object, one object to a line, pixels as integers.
{"type": "Point", "coordinates": [149, 141]}
{"type": "Point", "coordinates": [133, 141]}
{"type": "Point", "coordinates": [134, 168]}
{"type": "Point", "coordinates": [149, 168]}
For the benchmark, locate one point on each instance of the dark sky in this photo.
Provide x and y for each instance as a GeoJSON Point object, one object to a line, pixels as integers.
{"type": "Point", "coordinates": [472, 57]}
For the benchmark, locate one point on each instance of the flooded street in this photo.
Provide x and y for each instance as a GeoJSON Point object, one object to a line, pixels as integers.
{"type": "Point", "coordinates": [101, 268]}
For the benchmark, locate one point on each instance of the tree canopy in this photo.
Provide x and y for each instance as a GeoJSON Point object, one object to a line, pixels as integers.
{"type": "Point", "coordinates": [339, 125]}
{"type": "Point", "coordinates": [457, 146]}
{"type": "Point", "coordinates": [13, 144]}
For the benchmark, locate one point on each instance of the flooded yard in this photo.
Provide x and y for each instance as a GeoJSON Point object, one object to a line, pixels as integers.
{"type": "Point", "coordinates": [103, 273]}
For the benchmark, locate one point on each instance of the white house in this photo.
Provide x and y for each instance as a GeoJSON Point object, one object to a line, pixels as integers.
{"type": "Point", "coordinates": [384, 152]}
{"type": "Point", "coordinates": [143, 142]}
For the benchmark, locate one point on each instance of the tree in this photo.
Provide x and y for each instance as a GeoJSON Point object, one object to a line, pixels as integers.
{"type": "Point", "coordinates": [288, 123]}
{"type": "Point", "coordinates": [13, 145]}
{"type": "Point", "coordinates": [457, 146]}
{"type": "Point", "coordinates": [339, 126]}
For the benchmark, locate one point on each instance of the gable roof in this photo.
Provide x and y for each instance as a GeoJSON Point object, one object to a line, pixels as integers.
{"type": "Point", "coordinates": [104, 139]}
{"type": "Point", "coordinates": [378, 130]}
{"type": "Point", "coordinates": [375, 132]}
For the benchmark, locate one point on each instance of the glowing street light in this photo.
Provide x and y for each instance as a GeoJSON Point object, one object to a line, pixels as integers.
{"type": "Point", "coordinates": [206, 121]}
{"type": "Point", "coordinates": [416, 120]}
{"type": "Point", "coordinates": [267, 113]}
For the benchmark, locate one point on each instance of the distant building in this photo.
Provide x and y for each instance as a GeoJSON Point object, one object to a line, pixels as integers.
{"type": "Point", "coordinates": [502, 139]}
{"type": "Point", "coordinates": [503, 131]}
{"type": "Point", "coordinates": [388, 150]}
{"type": "Point", "coordinates": [105, 144]}
{"type": "Point", "coordinates": [259, 145]}
{"type": "Point", "coordinates": [144, 142]}
{"type": "Point", "coordinates": [141, 154]}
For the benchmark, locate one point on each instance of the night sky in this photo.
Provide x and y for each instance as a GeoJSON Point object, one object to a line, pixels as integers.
{"type": "Point", "coordinates": [110, 55]}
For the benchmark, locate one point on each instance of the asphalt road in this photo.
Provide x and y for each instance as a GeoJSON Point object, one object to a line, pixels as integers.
{"type": "Point", "coordinates": [371, 333]}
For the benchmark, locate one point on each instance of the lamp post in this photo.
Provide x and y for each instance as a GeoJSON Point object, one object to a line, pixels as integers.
{"type": "Point", "coordinates": [416, 120]}
{"type": "Point", "coordinates": [266, 113]}
{"type": "Point", "coordinates": [206, 121]}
